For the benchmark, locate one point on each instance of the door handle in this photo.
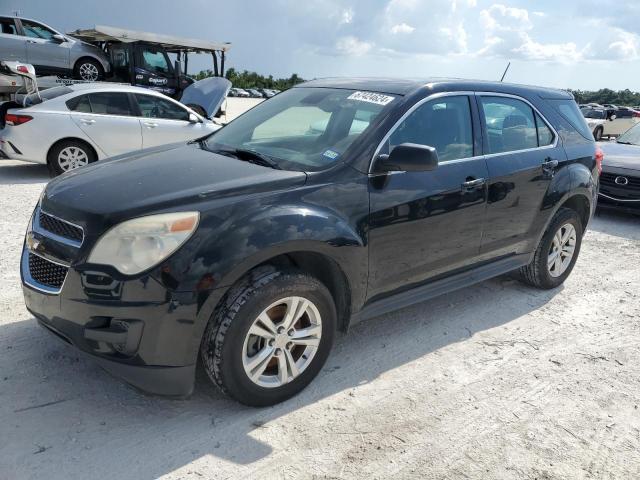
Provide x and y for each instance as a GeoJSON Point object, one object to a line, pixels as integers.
{"type": "Point", "coordinates": [150, 124]}
{"type": "Point", "coordinates": [31, 41]}
{"type": "Point", "coordinates": [549, 165]}
{"type": "Point", "coordinates": [87, 121]}
{"type": "Point", "coordinates": [473, 183]}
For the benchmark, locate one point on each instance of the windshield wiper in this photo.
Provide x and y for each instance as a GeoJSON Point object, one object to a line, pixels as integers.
{"type": "Point", "coordinates": [248, 156]}
{"type": "Point", "coordinates": [624, 143]}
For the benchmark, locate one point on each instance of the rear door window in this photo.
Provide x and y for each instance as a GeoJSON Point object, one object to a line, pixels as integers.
{"type": "Point", "coordinates": [545, 134]}
{"type": "Point", "coordinates": [110, 103]}
{"type": "Point", "coordinates": [79, 104]}
{"type": "Point", "coordinates": [510, 125]}
{"type": "Point", "coordinates": [8, 26]}
{"type": "Point", "coordinates": [444, 124]}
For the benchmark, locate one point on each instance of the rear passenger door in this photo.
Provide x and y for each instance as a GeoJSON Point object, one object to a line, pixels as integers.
{"type": "Point", "coordinates": [423, 224]}
{"type": "Point", "coordinates": [13, 47]}
{"type": "Point", "coordinates": [107, 118]}
{"type": "Point", "coordinates": [522, 154]}
{"type": "Point", "coordinates": [164, 121]}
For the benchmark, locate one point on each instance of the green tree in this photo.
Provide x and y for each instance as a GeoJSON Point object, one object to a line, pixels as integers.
{"type": "Point", "coordinates": [247, 79]}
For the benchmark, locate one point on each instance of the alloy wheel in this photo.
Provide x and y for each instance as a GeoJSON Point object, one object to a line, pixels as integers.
{"type": "Point", "coordinates": [561, 251]}
{"type": "Point", "coordinates": [282, 342]}
{"type": "Point", "coordinates": [72, 157]}
{"type": "Point", "coordinates": [88, 71]}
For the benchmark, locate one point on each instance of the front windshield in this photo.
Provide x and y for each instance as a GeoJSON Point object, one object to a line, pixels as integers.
{"type": "Point", "coordinates": [631, 136]}
{"type": "Point", "coordinates": [303, 128]}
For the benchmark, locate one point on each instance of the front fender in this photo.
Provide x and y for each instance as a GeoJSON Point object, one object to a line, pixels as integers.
{"type": "Point", "coordinates": [262, 234]}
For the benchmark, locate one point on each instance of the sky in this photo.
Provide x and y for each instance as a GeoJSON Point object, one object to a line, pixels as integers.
{"type": "Point", "coordinates": [578, 44]}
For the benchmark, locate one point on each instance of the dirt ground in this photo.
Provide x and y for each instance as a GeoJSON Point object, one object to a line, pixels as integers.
{"type": "Point", "coordinates": [497, 381]}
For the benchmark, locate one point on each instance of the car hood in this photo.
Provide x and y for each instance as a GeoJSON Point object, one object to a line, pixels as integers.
{"type": "Point", "coordinates": [619, 155]}
{"type": "Point", "coordinates": [156, 179]}
{"type": "Point", "coordinates": [208, 93]}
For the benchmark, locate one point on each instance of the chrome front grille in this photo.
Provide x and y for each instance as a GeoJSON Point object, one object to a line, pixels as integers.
{"type": "Point", "coordinates": [60, 227]}
{"type": "Point", "coordinates": [47, 273]}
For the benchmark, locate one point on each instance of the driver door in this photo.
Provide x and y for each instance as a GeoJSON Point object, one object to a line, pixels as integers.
{"type": "Point", "coordinates": [425, 224]}
{"type": "Point", "coordinates": [43, 50]}
{"type": "Point", "coordinates": [164, 121]}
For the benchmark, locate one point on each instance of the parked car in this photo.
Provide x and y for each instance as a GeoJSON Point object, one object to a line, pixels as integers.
{"type": "Point", "coordinates": [239, 92]}
{"type": "Point", "coordinates": [253, 93]}
{"type": "Point", "coordinates": [252, 247]}
{"type": "Point", "coordinates": [608, 122]}
{"type": "Point", "coordinates": [49, 51]}
{"type": "Point", "coordinates": [620, 179]}
{"type": "Point", "coordinates": [67, 127]}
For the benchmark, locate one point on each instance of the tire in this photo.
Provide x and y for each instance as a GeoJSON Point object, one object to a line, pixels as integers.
{"type": "Point", "coordinates": [597, 134]}
{"type": "Point", "coordinates": [76, 153]}
{"type": "Point", "coordinates": [88, 69]}
{"type": "Point", "coordinates": [227, 340]}
{"type": "Point", "coordinates": [539, 273]}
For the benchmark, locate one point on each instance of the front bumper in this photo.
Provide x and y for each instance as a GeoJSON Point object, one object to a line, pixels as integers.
{"type": "Point", "coordinates": [138, 329]}
{"type": "Point", "coordinates": [611, 203]}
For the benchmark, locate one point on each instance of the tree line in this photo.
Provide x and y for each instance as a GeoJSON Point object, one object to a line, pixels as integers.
{"type": "Point", "coordinates": [246, 79]}
{"type": "Point", "coordinates": [605, 95]}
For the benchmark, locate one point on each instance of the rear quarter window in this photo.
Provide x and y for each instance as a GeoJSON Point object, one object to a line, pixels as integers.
{"type": "Point", "coordinates": [569, 110]}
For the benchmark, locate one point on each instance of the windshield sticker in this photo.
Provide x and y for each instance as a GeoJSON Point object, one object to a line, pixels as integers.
{"type": "Point", "coordinates": [330, 154]}
{"type": "Point", "coordinates": [371, 97]}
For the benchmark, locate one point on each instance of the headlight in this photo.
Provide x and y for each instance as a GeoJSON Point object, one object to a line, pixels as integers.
{"type": "Point", "coordinates": [139, 244]}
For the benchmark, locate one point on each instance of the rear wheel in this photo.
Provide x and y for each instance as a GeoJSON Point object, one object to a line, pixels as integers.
{"type": "Point", "coordinates": [557, 252]}
{"type": "Point", "coordinates": [69, 155]}
{"type": "Point", "coordinates": [88, 69]}
{"type": "Point", "coordinates": [270, 338]}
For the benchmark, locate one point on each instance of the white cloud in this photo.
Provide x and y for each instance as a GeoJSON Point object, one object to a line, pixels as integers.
{"type": "Point", "coordinates": [347, 16]}
{"type": "Point", "coordinates": [500, 17]}
{"type": "Point", "coordinates": [402, 28]}
{"type": "Point", "coordinates": [351, 45]}
{"type": "Point", "coordinates": [613, 44]}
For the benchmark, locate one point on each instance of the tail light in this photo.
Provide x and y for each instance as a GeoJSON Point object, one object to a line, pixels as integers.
{"type": "Point", "coordinates": [636, 113]}
{"type": "Point", "coordinates": [599, 158]}
{"type": "Point", "coordinates": [22, 69]}
{"type": "Point", "coordinates": [15, 120]}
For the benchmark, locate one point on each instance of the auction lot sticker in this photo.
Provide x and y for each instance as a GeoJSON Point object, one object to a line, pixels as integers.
{"type": "Point", "coordinates": [371, 97]}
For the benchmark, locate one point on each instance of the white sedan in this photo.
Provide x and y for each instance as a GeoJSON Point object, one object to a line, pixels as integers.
{"type": "Point", "coordinates": [67, 127]}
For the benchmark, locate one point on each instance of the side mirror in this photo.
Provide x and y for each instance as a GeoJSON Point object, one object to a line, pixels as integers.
{"type": "Point", "coordinates": [193, 118]}
{"type": "Point", "coordinates": [408, 157]}
{"type": "Point", "coordinates": [58, 38]}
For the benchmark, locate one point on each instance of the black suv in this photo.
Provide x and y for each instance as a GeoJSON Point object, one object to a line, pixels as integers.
{"type": "Point", "coordinates": [335, 201]}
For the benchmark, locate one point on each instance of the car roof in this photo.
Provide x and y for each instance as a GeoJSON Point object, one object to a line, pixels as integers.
{"type": "Point", "coordinates": [111, 87]}
{"type": "Point", "coordinates": [400, 86]}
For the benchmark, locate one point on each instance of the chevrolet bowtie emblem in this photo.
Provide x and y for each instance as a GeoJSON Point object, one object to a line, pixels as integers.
{"type": "Point", "coordinates": [32, 243]}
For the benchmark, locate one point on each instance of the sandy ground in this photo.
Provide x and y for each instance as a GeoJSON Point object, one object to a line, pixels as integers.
{"type": "Point", "coordinates": [497, 381]}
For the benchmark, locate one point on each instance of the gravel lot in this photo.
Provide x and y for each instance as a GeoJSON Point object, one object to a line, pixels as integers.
{"type": "Point", "coordinates": [495, 381]}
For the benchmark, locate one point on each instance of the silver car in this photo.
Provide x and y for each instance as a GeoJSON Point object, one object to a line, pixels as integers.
{"type": "Point", "coordinates": [49, 51]}
{"type": "Point", "coordinates": [67, 127]}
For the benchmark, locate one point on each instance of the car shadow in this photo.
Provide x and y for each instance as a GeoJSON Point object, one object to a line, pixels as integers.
{"type": "Point", "coordinates": [12, 173]}
{"type": "Point", "coordinates": [55, 402]}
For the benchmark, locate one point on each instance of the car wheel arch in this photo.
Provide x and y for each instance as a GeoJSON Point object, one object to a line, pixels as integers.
{"type": "Point", "coordinates": [95, 151]}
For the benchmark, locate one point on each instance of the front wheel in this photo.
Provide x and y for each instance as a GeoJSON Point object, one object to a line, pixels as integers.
{"type": "Point", "coordinates": [89, 70]}
{"type": "Point", "coordinates": [271, 336]}
{"type": "Point", "coordinates": [557, 252]}
{"type": "Point", "coordinates": [597, 135]}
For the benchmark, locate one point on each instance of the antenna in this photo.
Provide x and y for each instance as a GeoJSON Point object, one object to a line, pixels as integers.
{"type": "Point", "coordinates": [17, 13]}
{"type": "Point", "coordinates": [505, 71]}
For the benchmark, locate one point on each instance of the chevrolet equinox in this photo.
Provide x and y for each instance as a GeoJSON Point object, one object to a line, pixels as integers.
{"type": "Point", "coordinates": [333, 202]}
